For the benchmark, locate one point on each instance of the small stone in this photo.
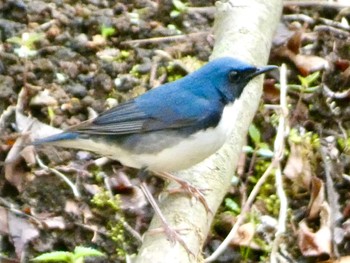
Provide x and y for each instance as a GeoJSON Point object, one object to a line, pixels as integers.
{"type": "Point", "coordinates": [77, 90]}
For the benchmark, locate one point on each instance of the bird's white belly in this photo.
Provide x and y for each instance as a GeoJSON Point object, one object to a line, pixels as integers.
{"type": "Point", "coordinates": [188, 152]}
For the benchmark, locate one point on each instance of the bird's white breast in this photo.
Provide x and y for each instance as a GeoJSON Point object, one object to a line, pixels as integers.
{"type": "Point", "coordinates": [185, 154]}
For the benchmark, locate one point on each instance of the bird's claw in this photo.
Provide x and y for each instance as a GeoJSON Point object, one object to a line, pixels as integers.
{"type": "Point", "coordinates": [194, 192]}
{"type": "Point", "coordinates": [186, 187]}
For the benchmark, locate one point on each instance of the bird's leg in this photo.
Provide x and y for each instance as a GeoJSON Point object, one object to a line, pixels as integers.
{"type": "Point", "coordinates": [187, 188]}
{"type": "Point", "coordinates": [172, 234]}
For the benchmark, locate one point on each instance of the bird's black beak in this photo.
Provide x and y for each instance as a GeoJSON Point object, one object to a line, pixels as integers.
{"type": "Point", "coordinates": [262, 70]}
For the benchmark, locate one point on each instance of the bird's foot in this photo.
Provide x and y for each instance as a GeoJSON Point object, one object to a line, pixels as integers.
{"type": "Point", "coordinates": [172, 234]}
{"type": "Point", "coordinates": [186, 187]}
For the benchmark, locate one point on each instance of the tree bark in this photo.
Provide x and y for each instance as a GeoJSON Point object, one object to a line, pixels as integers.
{"type": "Point", "coordinates": [243, 29]}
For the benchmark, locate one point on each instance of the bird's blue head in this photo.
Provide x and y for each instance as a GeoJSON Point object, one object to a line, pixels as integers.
{"type": "Point", "coordinates": [229, 76]}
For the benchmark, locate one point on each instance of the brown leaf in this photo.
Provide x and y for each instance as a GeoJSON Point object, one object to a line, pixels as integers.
{"type": "Point", "coordinates": [15, 168]}
{"type": "Point", "coordinates": [316, 243]}
{"type": "Point", "coordinates": [282, 35]}
{"type": "Point", "coordinates": [56, 222]}
{"type": "Point", "coordinates": [317, 197]}
{"type": "Point", "coordinates": [298, 168]}
{"type": "Point", "coordinates": [245, 236]}
{"type": "Point", "coordinates": [307, 64]}
{"type": "Point", "coordinates": [21, 232]}
{"type": "Point", "coordinates": [294, 42]}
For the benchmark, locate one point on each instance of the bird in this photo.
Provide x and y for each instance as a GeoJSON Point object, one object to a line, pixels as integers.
{"type": "Point", "coordinates": [171, 127]}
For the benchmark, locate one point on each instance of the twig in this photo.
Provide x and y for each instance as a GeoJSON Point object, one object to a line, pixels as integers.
{"type": "Point", "coordinates": [163, 39]}
{"type": "Point", "coordinates": [203, 10]}
{"type": "Point", "coordinates": [61, 175]}
{"type": "Point", "coordinates": [333, 23]}
{"type": "Point", "coordinates": [335, 95]}
{"type": "Point", "coordinates": [279, 146]}
{"type": "Point", "coordinates": [6, 114]}
{"type": "Point", "coordinates": [332, 196]}
{"type": "Point", "coordinates": [13, 209]}
{"type": "Point", "coordinates": [336, 31]}
{"type": "Point", "coordinates": [243, 214]}
{"type": "Point", "coordinates": [301, 17]}
{"type": "Point", "coordinates": [316, 3]}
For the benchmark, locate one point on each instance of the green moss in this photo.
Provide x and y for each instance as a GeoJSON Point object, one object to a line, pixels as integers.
{"type": "Point", "coordinates": [115, 227]}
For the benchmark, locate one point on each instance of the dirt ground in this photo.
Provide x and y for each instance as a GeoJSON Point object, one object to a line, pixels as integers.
{"type": "Point", "coordinates": [64, 61]}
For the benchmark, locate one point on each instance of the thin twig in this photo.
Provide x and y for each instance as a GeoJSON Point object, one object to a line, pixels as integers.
{"type": "Point", "coordinates": [335, 95]}
{"type": "Point", "coordinates": [336, 31]}
{"type": "Point", "coordinates": [61, 175]}
{"type": "Point", "coordinates": [243, 214]}
{"type": "Point", "coordinates": [163, 39]}
{"type": "Point", "coordinates": [279, 146]}
{"type": "Point", "coordinates": [202, 10]}
{"type": "Point", "coordinates": [316, 3]}
{"type": "Point", "coordinates": [5, 115]}
{"type": "Point", "coordinates": [332, 195]}
{"type": "Point", "coordinates": [299, 17]}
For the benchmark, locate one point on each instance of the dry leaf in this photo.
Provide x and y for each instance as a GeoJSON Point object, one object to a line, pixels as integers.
{"type": "Point", "coordinates": [307, 64]}
{"type": "Point", "coordinates": [245, 236]}
{"type": "Point", "coordinates": [21, 232]}
{"type": "Point", "coordinates": [316, 243]}
{"type": "Point", "coordinates": [317, 197]}
{"type": "Point", "coordinates": [56, 222]}
{"type": "Point", "coordinates": [298, 168]}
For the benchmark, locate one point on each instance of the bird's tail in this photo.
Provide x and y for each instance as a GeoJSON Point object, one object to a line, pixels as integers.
{"type": "Point", "coordinates": [57, 138]}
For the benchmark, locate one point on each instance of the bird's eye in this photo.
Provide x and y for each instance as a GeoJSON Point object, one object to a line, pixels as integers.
{"type": "Point", "coordinates": [233, 76]}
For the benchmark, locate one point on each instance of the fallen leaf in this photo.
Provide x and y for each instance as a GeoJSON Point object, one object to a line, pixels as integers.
{"type": "Point", "coordinates": [298, 168]}
{"type": "Point", "coordinates": [21, 232]}
{"type": "Point", "coordinates": [56, 222]}
{"type": "Point", "coordinates": [316, 243]}
{"type": "Point", "coordinates": [317, 197]}
{"type": "Point", "coordinates": [245, 236]}
{"type": "Point", "coordinates": [307, 64]}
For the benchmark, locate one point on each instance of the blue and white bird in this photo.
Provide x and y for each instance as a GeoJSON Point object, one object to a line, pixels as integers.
{"type": "Point", "coordinates": [171, 127]}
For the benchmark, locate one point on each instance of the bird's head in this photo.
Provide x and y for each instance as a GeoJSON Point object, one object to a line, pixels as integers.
{"type": "Point", "coordinates": [230, 76]}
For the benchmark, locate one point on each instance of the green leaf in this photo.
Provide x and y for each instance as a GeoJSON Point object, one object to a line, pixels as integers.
{"type": "Point", "coordinates": [254, 133]}
{"type": "Point", "coordinates": [180, 6]}
{"type": "Point", "coordinates": [87, 252]}
{"type": "Point", "coordinates": [312, 77]}
{"type": "Point", "coordinates": [15, 40]}
{"type": "Point", "coordinates": [107, 31]}
{"type": "Point", "coordinates": [56, 256]}
{"type": "Point", "coordinates": [265, 152]}
{"type": "Point", "coordinates": [174, 13]}
{"type": "Point", "coordinates": [247, 149]}
{"type": "Point", "coordinates": [308, 80]}
{"type": "Point", "coordinates": [232, 205]}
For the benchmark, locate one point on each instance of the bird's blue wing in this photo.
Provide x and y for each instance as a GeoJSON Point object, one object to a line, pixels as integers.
{"type": "Point", "coordinates": [158, 110]}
